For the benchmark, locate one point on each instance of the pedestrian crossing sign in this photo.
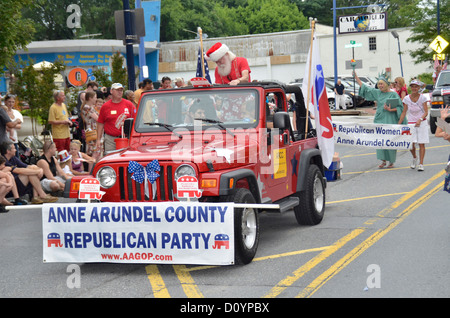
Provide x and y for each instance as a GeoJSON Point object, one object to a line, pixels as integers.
{"type": "Point", "coordinates": [439, 44]}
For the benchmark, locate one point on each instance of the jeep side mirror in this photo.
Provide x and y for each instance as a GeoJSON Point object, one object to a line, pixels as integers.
{"type": "Point", "coordinates": [281, 120]}
{"type": "Point", "coordinates": [127, 125]}
{"type": "Point", "coordinates": [429, 87]}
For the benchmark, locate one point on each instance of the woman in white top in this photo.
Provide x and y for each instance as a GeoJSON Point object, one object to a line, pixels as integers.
{"type": "Point", "coordinates": [14, 114]}
{"type": "Point", "coordinates": [417, 111]}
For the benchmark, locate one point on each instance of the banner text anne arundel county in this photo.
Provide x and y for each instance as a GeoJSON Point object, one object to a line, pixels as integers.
{"type": "Point", "coordinates": [137, 214]}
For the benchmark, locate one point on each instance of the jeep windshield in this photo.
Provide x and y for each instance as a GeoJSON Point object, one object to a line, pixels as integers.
{"type": "Point", "coordinates": [185, 108]}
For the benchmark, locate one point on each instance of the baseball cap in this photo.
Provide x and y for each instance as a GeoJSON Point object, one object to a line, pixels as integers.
{"type": "Point", "coordinates": [416, 82]}
{"type": "Point", "coordinates": [116, 86]}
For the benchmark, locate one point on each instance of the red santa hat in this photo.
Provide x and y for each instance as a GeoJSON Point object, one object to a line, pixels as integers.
{"type": "Point", "coordinates": [216, 52]}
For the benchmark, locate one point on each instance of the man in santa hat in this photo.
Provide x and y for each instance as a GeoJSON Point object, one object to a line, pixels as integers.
{"type": "Point", "coordinates": [230, 68]}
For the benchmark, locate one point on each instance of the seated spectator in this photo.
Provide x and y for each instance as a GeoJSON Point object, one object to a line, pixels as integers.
{"type": "Point", "coordinates": [5, 187]}
{"type": "Point", "coordinates": [26, 176]}
{"type": "Point", "coordinates": [7, 179]}
{"type": "Point", "coordinates": [78, 158]}
{"type": "Point", "coordinates": [65, 162]}
{"type": "Point", "coordinates": [54, 178]}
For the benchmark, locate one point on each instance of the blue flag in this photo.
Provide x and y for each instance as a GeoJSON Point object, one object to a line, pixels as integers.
{"type": "Point", "coordinates": [199, 72]}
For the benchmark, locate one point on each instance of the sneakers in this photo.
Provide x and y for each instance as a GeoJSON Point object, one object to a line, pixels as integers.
{"type": "Point", "coordinates": [414, 163]}
{"type": "Point", "coordinates": [420, 168]}
{"type": "Point", "coordinates": [3, 209]}
{"type": "Point", "coordinates": [20, 201]}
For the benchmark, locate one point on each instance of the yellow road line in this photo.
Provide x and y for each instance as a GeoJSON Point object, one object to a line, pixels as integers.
{"type": "Point", "coordinates": [406, 197]}
{"type": "Point", "coordinates": [288, 281]}
{"type": "Point", "coordinates": [369, 197]}
{"type": "Point", "coordinates": [187, 282]}
{"type": "Point", "coordinates": [263, 258]}
{"type": "Point", "coordinates": [158, 286]}
{"type": "Point", "coordinates": [192, 290]}
{"type": "Point", "coordinates": [347, 259]}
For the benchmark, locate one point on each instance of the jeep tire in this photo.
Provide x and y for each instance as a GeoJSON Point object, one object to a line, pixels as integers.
{"type": "Point", "coordinates": [246, 226]}
{"type": "Point", "coordinates": [311, 208]}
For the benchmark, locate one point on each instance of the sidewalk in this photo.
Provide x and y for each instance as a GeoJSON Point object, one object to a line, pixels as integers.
{"type": "Point", "coordinates": [360, 114]}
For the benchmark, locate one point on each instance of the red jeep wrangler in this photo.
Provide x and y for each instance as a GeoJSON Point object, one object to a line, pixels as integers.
{"type": "Point", "coordinates": [238, 144]}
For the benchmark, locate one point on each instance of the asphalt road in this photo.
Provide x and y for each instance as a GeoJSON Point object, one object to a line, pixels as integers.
{"type": "Point", "coordinates": [385, 234]}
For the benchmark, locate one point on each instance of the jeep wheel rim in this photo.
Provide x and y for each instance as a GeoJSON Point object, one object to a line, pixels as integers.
{"type": "Point", "coordinates": [248, 227]}
{"type": "Point", "coordinates": [318, 194]}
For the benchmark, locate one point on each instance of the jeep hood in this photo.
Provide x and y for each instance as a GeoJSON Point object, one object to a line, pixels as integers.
{"type": "Point", "coordinates": [233, 152]}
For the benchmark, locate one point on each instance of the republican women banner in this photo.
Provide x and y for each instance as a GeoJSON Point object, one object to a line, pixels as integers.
{"type": "Point", "coordinates": [379, 136]}
{"type": "Point", "coordinates": [160, 233]}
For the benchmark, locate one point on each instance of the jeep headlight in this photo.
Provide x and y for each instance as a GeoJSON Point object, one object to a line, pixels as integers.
{"type": "Point", "coordinates": [107, 177]}
{"type": "Point", "coordinates": [184, 170]}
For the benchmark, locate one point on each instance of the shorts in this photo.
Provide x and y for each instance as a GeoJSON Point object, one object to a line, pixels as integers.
{"type": "Point", "coordinates": [62, 144]}
{"type": "Point", "coordinates": [21, 188]}
{"type": "Point", "coordinates": [45, 183]}
{"type": "Point", "coordinates": [421, 136]}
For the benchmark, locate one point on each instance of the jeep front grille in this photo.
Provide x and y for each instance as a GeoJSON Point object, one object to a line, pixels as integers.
{"type": "Point", "coordinates": [131, 190]}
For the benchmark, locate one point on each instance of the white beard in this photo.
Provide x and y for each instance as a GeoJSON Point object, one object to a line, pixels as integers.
{"type": "Point", "coordinates": [225, 69]}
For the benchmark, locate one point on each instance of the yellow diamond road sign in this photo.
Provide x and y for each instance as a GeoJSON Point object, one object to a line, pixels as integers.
{"type": "Point", "coordinates": [439, 44]}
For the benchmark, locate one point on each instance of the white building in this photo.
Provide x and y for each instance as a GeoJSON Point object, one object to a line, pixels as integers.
{"type": "Point", "coordinates": [379, 53]}
{"type": "Point", "coordinates": [282, 56]}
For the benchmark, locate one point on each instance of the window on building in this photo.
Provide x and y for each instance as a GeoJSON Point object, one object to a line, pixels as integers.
{"type": "Point", "coordinates": [372, 43]}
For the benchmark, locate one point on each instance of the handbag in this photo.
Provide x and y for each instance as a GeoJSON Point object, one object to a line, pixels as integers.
{"type": "Point", "coordinates": [91, 135]}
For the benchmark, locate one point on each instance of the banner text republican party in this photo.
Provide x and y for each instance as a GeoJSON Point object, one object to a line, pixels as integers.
{"type": "Point", "coordinates": [159, 232]}
{"type": "Point", "coordinates": [379, 136]}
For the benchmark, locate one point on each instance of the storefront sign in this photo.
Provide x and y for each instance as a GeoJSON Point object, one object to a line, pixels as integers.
{"type": "Point", "coordinates": [367, 22]}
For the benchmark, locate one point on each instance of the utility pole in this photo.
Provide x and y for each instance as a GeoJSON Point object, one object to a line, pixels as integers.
{"type": "Point", "coordinates": [129, 45]}
{"type": "Point", "coordinates": [438, 18]}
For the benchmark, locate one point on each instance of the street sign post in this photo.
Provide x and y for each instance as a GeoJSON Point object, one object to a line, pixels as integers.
{"type": "Point", "coordinates": [352, 45]}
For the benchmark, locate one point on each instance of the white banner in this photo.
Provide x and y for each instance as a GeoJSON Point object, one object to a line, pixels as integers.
{"type": "Point", "coordinates": [159, 233]}
{"type": "Point", "coordinates": [379, 136]}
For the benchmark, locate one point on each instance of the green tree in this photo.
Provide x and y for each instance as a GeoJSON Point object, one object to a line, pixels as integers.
{"type": "Point", "coordinates": [102, 78]}
{"type": "Point", "coordinates": [50, 18]}
{"type": "Point", "coordinates": [98, 17]}
{"type": "Point", "coordinates": [15, 31]}
{"type": "Point", "coordinates": [315, 9]}
{"type": "Point", "coordinates": [229, 21]}
{"type": "Point", "coordinates": [228, 17]}
{"type": "Point", "coordinates": [119, 72]}
{"type": "Point", "coordinates": [266, 16]}
{"type": "Point", "coordinates": [36, 87]}
{"type": "Point", "coordinates": [425, 30]}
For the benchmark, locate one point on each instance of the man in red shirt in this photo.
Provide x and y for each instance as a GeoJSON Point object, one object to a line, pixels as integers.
{"type": "Point", "coordinates": [110, 117]}
{"type": "Point", "coordinates": [230, 68]}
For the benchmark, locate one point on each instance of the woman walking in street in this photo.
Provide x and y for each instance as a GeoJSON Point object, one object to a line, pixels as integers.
{"type": "Point", "coordinates": [385, 114]}
{"type": "Point", "coordinates": [417, 111]}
